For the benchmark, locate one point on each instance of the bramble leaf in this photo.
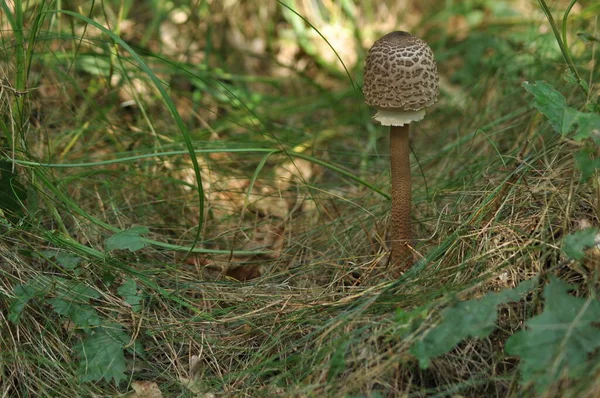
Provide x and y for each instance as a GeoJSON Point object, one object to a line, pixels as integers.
{"type": "Point", "coordinates": [549, 102]}
{"type": "Point", "coordinates": [77, 291]}
{"type": "Point", "coordinates": [558, 340]}
{"type": "Point", "coordinates": [101, 354]}
{"type": "Point", "coordinates": [563, 118]}
{"type": "Point", "coordinates": [575, 244]}
{"type": "Point", "coordinates": [37, 286]}
{"type": "Point", "coordinates": [23, 293]}
{"type": "Point", "coordinates": [82, 315]}
{"type": "Point", "coordinates": [130, 293]}
{"type": "Point", "coordinates": [68, 260]}
{"type": "Point", "coordinates": [129, 239]}
{"type": "Point", "coordinates": [586, 163]}
{"type": "Point", "coordinates": [473, 318]}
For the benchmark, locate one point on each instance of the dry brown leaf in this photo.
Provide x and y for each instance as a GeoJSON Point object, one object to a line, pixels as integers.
{"type": "Point", "coordinates": [340, 36]}
{"type": "Point", "coordinates": [268, 206]}
{"type": "Point", "coordinates": [269, 236]}
{"type": "Point", "coordinates": [145, 389]}
{"type": "Point", "coordinates": [245, 272]}
{"type": "Point", "coordinates": [193, 383]}
{"type": "Point", "coordinates": [298, 170]}
{"type": "Point", "coordinates": [592, 260]}
{"type": "Point", "coordinates": [131, 89]}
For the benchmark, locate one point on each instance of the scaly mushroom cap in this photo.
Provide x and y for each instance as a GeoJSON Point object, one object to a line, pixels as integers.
{"type": "Point", "coordinates": [401, 79]}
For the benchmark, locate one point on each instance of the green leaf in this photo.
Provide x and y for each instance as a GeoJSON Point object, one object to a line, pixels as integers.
{"type": "Point", "coordinates": [559, 340]}
{"type": "Point", "coordinates": [549, 102]}
{"type": "Point", "coordinates": [130, 293]}
{"type": "Point", "coordinates": [82, 315]}
{"type": "Point", "coordinates": [473, 318]}
{"type": "Point", "coordinates": [586, 164]}
{"type": "Point", "coordinates": [575, 244]}
{"type": "Point", "coordinates": [101, 354]}
{"type": "Point", "coordinates": [75, 291]}
{"type": "Point", "coordinates": [337, 364]}
{"type": "Point", "coordinates": [572, 79]}
{"type": "Point", "coordinates": [40, 286]}
{"type": "Point", "coordinates": [37, 286]}
{"type": "Point", "coordinates": [588, 125]}
{"type": "Point", "coordinates": [129, 239]}
{"type": "Point", "coordinates": [563, 119]}
{"type": "Point", "coordinates": [23, 293]}
{"type": "Point", "coordinates": [68, 260]}
{"type": "Point", "coordinates": [409, 321]}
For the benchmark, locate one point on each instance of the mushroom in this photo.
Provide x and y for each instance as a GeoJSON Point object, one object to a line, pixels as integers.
{"type": "Point", "coordinates": [400, 81]}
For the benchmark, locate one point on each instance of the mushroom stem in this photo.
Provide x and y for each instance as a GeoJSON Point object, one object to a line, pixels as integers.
{"type": "Point", "coordinates": [400, 226]}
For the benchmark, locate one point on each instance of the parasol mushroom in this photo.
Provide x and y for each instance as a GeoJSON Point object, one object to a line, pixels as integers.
{"type": "Point", "coordinates": [400, 81]}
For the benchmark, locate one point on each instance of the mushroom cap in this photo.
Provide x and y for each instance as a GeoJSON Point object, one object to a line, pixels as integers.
{"type": "Point", "coordinates": [400, 78]}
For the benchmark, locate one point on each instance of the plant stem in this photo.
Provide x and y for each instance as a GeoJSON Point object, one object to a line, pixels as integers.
{"type": "Point", "coordinates": [561, 40]}
{"type": "Point", "coordinates": [400, 226]}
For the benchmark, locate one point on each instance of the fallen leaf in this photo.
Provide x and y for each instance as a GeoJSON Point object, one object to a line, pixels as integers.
{"type": "Point", "coordinates": [245, 272]}
{"type": "Point", "coordinates": [145, 389]}
{"type": "Point", "coordinates": [297, 170]}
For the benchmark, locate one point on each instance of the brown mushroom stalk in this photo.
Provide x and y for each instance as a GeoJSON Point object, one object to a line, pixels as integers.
{"type": "Point", "coordinates": [401, 81]}
{"type": "Point", "coordinates": [401, 225]}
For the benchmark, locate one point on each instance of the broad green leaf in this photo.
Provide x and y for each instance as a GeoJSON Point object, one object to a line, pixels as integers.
{"type": "Point", "coordinates": [549, 102]}
{"type": "Point", "coordinates": [68, 260]}
{"type": "Point", "coordinates": [80, 291]}
{"type": "Point", "coordinates": [129, 291]}
{"type": "Point", "coordinates": [586, 164]}
{"type": "Point", "coordinates": [563, 119]}
{"type": "Point", "coordinates": [35, 287]}
{"type": "Point", "coordinates": [82, 315]}
{"type": "Point", "coordinates": [575, 244]}
{"type": "Point", "coordinates": [101, 354]}
{"type": "Point", "coordinates": [473, 318]}
{"type": "Point", "coordinates": [409, 321]}
{"type": "Point", "coordinates": [560, 340]}
{"type": "Point", "coordinates": [129, 239]}
{"type": "Point", "coordinates": [23, 293]}
{"type": "Point", "coordinates": [41, 286]}
{"type": "Point", "coordinates": [588, 125]}
{"type": "Point", "coordinates": [94, 65]}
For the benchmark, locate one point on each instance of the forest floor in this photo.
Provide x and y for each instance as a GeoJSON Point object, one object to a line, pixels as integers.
{"type": "Point", "coordinates": [259, 265]}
